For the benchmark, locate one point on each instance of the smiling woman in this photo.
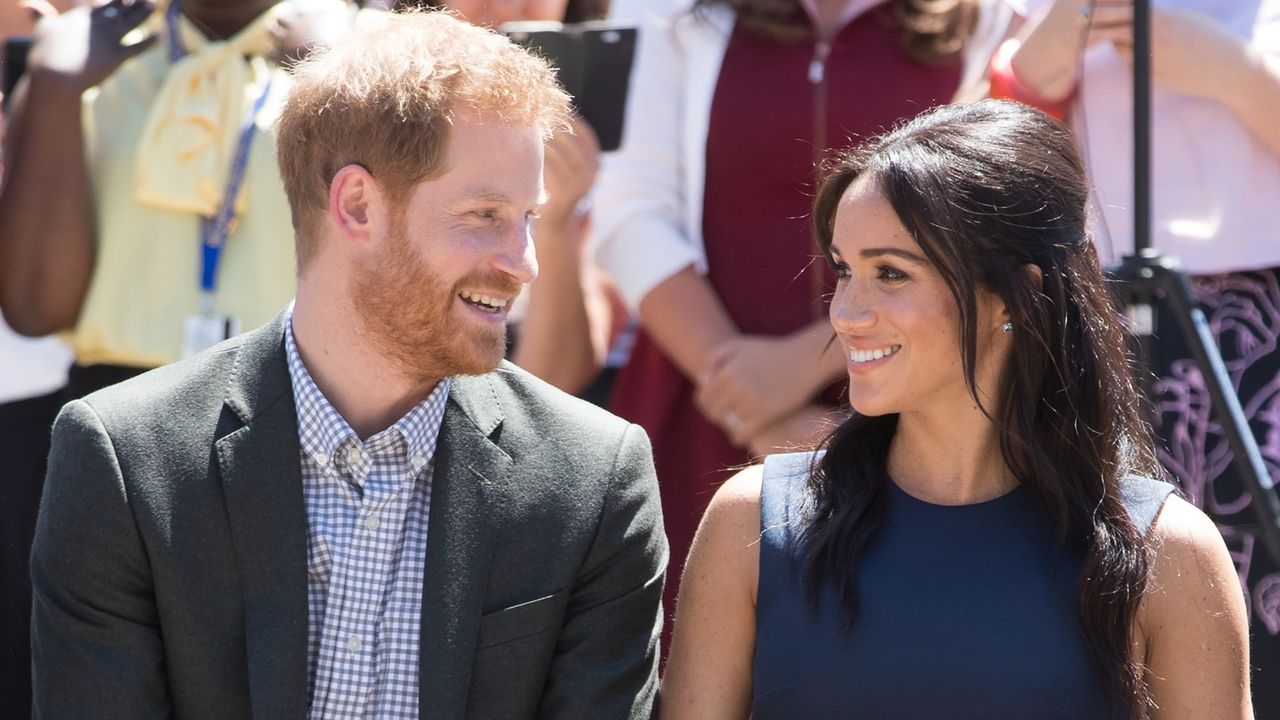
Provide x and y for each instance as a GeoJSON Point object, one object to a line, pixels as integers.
{"type": "Point", "coordinates": [988, 527]}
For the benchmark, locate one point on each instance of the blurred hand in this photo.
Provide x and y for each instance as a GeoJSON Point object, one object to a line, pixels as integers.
{"type": "Point", "coordinates": [752, 382]}
{"type": "Point", "coordinates": [572, 161]}
{"type": "Point", "coordinates": [801, 430]}
{"type": "Point", "coordinates": [39, 9]}
{"type": "Point", "coordinates": [82, 46]}
{"type": "Point", "coordinates": [300, 26]}
{"type": "Point", "coordinates": [1192, 54]}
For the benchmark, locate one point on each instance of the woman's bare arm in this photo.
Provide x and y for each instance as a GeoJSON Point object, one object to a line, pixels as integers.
{"type": "Point", "coordinates": [1193, 622]}
{"type": "Point", "coordinates": [709, 670]}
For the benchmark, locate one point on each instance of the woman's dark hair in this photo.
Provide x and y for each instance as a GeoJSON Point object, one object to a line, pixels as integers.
{"type": "Point", "coordinates": [933, 31]}
{"type": "Point", "coordinates": [987, 190]}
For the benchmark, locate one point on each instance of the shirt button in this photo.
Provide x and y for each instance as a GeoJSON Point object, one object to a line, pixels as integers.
{"type": "Point", "coordinates": [321, 459]}
{"type": "Point", "coordinates": [353, 455]}
{"type": "Point", "coordinates": [372, 522]}
{"type": "Point", "coordinates": [417, 461]}
{"type": "Point", "coordinates": [354, 644]}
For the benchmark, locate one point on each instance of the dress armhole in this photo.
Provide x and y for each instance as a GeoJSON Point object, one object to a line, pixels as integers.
{"type": "Point", "coordinates": [1143, 497]}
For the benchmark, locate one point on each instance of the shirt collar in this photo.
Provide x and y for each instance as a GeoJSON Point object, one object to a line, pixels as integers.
{"type": "Point", "coordinates": [322, 431]}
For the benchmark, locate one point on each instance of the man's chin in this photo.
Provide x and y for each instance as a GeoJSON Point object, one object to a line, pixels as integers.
{"type": "Point", "coordinates": [481, 358]}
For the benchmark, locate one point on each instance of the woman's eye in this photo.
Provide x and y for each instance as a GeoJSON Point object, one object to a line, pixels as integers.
{"type": "Point", "coordinates": [890, 274]}
{"type": "Point", "coordinates": [840, 269]}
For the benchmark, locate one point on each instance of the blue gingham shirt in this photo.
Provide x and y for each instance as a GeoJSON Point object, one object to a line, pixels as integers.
{"type": "Point", "coordinates": [367, 508]}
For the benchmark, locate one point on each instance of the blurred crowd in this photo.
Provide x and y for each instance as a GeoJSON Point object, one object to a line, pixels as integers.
{"type": "Point", "coordinates": [678, 284]}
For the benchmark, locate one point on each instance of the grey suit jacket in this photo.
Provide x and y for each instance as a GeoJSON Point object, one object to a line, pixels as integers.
{"type": "Point", "coordinates": [170, 556]}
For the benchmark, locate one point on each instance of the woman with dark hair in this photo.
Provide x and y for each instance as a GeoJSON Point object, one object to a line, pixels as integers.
{"type": "Point", "coordinates": [985, 537]}
{"type": "Point", "coordinates": [701, 215]}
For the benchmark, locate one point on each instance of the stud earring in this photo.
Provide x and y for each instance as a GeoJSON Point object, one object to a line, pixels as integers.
{"type": "Point", "coordinates": [1007, 327]}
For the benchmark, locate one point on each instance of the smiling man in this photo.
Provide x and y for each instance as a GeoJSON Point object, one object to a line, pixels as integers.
{"type": "Point", "coordinates": [359, 510]}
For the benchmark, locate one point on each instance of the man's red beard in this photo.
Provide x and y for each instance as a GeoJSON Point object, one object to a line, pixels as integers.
{"type": "Point", "coordinates": [407, 314]}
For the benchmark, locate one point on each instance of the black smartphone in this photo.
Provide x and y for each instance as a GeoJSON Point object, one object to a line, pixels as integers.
{"type": "Point", "coordinates": [594, 64]}
{"type": "Point", "coordinates": [16, 50]}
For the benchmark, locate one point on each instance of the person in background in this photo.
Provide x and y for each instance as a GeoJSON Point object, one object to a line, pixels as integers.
{"type": "Point", "coordinates": [1214, 183]}
{"type": "Point", "coordinates": [142, 214]}
{"type": "Point", "coordinates": [33, 373]}
{"type": "Point", "coordinates": [986, 537]}
{"type": "Point", "coordinates": [359, 510]}
{"type": "Point", "coordinates": [114, 154]}
{"type": "Point", "coordinates": [700, 217]}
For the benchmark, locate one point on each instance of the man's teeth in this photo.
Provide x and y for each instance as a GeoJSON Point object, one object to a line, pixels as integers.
{"type": "Point", "coordinates": [861, 356]}
{"type": "Point", "coordinates": [479, 299]}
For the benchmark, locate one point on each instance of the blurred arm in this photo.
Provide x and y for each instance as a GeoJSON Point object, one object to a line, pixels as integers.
{"type": "Point", "coordinates": [46, 228]}
{"type": "Point", "coordinates": [47, 236]}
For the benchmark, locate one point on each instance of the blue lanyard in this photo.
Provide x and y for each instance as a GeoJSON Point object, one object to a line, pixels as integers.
{"type": "Point", "coordinates": [214, 230]}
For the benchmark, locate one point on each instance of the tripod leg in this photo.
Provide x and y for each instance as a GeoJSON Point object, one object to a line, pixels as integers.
{"type": "Point", "coordinates": [1226, 406]}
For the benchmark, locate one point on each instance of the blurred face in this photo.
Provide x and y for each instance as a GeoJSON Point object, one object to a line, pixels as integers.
{"type": "Point", "coordinates": [895, 318]}
{"type": "Point", "coordinates": [492, 13]}
{"type": "Point", "coordinates": [435, 297]}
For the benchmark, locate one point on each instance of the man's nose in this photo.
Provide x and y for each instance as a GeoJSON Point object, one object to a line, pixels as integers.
{"type": "Point", "coordinates": [517, 257]}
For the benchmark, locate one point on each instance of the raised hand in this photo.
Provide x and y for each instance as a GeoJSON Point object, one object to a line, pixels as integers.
{"type": "Point", "coordinates": [1192, 54]}
{"type": "Point", "coordinates": [297, 27]}
{"type": "Point", "coordinates": [83, 45]}
{"type": "Point", "coordinates": [572, 161]}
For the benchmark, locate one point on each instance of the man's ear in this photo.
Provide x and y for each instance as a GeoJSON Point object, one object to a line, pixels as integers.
{"type": "Point", "coordinates": [357, 207]}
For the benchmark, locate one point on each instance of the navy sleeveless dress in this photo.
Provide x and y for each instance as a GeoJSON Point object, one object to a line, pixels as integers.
{"type": "Point", "coordinates": [966, 612]}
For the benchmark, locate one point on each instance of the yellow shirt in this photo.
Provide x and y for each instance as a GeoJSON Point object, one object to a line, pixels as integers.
{"type": "Point", "coordinates": [146, 279]}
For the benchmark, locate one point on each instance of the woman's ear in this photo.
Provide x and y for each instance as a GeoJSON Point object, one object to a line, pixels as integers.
{"type": "Point", "coordinates": [1036, 275]}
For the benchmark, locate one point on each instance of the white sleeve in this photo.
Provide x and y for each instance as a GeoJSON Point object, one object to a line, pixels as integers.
{"type": "Point", "coordinates": [639, 208]}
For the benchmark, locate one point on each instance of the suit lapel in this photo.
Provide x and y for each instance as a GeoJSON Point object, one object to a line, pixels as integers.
{"type": "Point", "coordinates": [468, 485]}
{"type": "Point", "coordinates": [262, 483]}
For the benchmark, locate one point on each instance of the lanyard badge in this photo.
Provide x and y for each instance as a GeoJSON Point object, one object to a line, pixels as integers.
{"type": "Point", "coordinates": [207, 328]}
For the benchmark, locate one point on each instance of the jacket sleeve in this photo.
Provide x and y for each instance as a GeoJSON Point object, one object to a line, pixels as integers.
{"type": "Point", "coordinates": [640, 214]}
{"type": "Point", "coordinates": [606, 661]}
{"type": "Point", "coordinates": [96, 644]}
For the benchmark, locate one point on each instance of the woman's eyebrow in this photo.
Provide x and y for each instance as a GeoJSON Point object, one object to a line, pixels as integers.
{"type": "Point", "coordinates": [897, 252]}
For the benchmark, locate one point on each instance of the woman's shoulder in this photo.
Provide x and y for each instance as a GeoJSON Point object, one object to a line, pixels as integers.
{"type": "Point", "coordinates": [1187, 547]}
{"type": "Point", "coordinates": [1192, 578]}
{"type": "Point", "coordinates": [737, 502]}
{"type": "Point", "coordinates": [1193, 621]}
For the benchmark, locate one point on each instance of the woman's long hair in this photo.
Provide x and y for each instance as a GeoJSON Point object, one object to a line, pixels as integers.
{"type": "Point", "coordinates": [933, 31]}
{"type": "Point", "coordinates": [986, 190]}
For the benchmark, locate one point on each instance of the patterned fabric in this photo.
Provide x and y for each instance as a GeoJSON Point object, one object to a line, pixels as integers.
{"type": "Point", "coordinates": [367, 509]}
{"type": "Point", "coordinates": [1243, 310]}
